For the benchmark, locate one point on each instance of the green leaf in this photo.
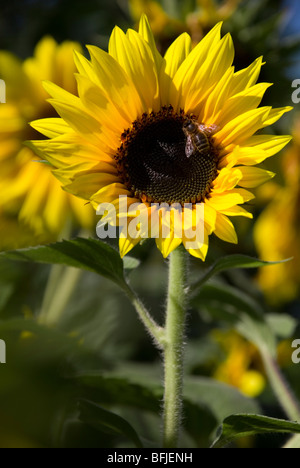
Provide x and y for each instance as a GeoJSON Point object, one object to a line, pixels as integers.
{"type": "Point", "coordinates": [230, 262]}
{"type": "Point", "coordinates": [282, 325]}
{"type": "Point", "coordinates": [220, 398]}
{"type": "Point", "coordinates": [243, 425]}
{"type": "Point", "coordinates": [138, 387]}
{"type": "Point", "coordinates": [7, 291]}
{"type": "Point", "coordinates": [242, 312]}
{"type": "Point", "coordinates": [107, 422]}
{"type": "Point", "coordinates": [88, 254]}
{"type": "Point", "coordinates": [113, 389]}
{"type": "Point", "coordinates": [130, 263]}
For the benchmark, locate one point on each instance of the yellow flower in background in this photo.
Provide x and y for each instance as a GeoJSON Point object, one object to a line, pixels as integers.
{"type": "Point", "coordinates": [211, 11]}
{"type": "Point", "coordinates": [27, 188]}
{"type": "Point", "coordinates": [15, 235]}
{"type": "Point", "coordinates": [161, 23]}
{"type": "Point", "coordinates": [241, 367]}
{"type": "Point", "coordinates": [277, 230]}
{"type": "Point", "coordinates": [194, 17]}
{"type": "Point", "coordinates": [163, 130]}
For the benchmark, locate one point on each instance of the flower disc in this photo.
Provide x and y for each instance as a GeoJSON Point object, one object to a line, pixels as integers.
{"type": "Point", "coordinates": [154, 164]}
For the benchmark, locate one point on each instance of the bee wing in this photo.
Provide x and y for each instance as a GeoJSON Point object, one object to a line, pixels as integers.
{"type": "Point", "coordinates": [189, 147]}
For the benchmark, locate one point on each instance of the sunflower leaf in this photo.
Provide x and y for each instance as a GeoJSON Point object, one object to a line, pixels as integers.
{"type": "Point", "coordinates": [228, 263]}
{"type": "Point", "coordinates": [108, 422]}
{"type": "Point", "coordinates": [87, 254]}
{"type": "Point", "coordinates": [243, 425]}
{"type": "Point", "coordinates": [140, 387]}
{"type": "Point", "coordinates": [130, 263]}
{"type": "Point", "coordinates": [242, 312]}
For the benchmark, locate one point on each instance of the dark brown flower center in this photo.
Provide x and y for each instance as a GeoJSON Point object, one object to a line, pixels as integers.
{"type": "Point", "coordinates": [167, 158]}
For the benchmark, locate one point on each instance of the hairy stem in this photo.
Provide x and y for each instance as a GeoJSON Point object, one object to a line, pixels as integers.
{"type": "Point", "coordinates": [174, 347]}
{"type": "Point", "coordinates": [156, 332]}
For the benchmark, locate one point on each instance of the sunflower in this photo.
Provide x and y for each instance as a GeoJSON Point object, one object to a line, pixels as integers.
{"type": "Point", "coordinates": [242, 366]}
{"type": "Point", "coordinates": [28, 191]}
{"type": "Point", "coordinates": [177, 130]}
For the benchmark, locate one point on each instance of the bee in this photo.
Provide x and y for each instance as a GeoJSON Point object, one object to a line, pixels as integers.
{"type": "Point", "coordinates": [197, 138]}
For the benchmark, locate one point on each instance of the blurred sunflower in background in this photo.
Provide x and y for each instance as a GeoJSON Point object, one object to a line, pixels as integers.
{"type": "Point", "coordinates": [277, 230]}
{"type": "Point", "coordinates": [129, 133]}
{"type": "Point", "coordinates": [170, 19]}
{"type": "Point", "coordinates": [33, 207]}
{"type": "Point", "coordinates": [242, 365]}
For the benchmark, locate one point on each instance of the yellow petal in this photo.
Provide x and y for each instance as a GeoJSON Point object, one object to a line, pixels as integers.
{"type": "Point", "coordinates": [227, 180]}
{"type": "Point", "coordinates": [82, 122]}
{"type": "Point", "coordinates": [201, 71]}
{"type": "Point", "coordinates": [254, 176]}
{"type": "Point", "coordinates": [116, 84]}
{"type": "Point", "coordinates": [126, 244]}
{"type": "Point", "coordinates": [201, 250]}
{"type": "Point", "coordinates": [216, 99]}
{"type": "Point", "coordinates": [225, 229]}
{"type": "Point", "coordinates": [237, 211]}
{"type": "Point", "coordinates": [146, 32]}
{"type": "Point", "coordinates": [244, 155]}
{"type": "Point", "coordinates": [228, 199]}
{"type": "Point", "coordinates": [166, 246]}
{"type": "Point", "coordinates": [212, 71]}
{"type": "Point", "coordinates": [51, 127]}
{"type": "Point", "coordinates": [133, 53]}
{"type": "Point", "coordinates": [246, 77]}
{"type": "Point", "coordinates": [100, 107]}
{"type": "Point", "coordinates": [174, 57]}
{"type": "Point", "coordinates": [65, 66]}
{"type": "Point", "coordinates": [109, 193]}
{"type": "Point", "coordinates": [276, 114]}
{"type": "Point", "coordinates": [184, 77]}
{"type": "Point", "coordinates": [242, 127]}
{"type": "Point", "coordinates": [87, 185]}
{"type": "Point", "coordinates": [85, 67]}
{"type": "Point", "coordinates": [69, 149]}
{"type": "Point", "coordinates": [244, 101]}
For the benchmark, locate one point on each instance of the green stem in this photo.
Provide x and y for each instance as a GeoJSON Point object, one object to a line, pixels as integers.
{"type": "Point", "coordinates": [174, 347]}
{"type": "Point", "coordinates": [281, 388]}
{"type": "Point", "coordinates": [156, 332]}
